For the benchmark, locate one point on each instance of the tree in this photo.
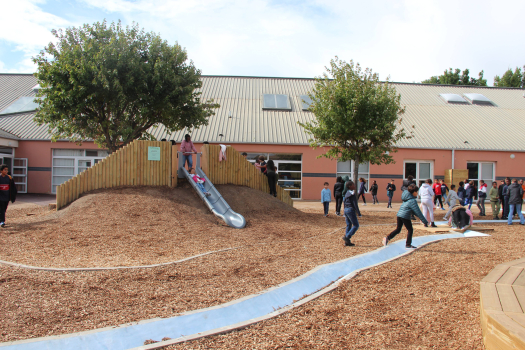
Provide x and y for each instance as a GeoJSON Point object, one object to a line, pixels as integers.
{"type": "Point", "coordinates": [111, 84]}
{"type": "Point", "coordinates": [510, 79]}
{"type": "Point", "coordinates": [455, 78]}
{"type": "Point", "coordinates": [355, 115]}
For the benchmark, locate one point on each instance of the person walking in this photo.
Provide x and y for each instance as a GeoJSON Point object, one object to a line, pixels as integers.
{"type": "Point", "coordinates": [452, 200]}
{"type": "Point", "coordinates": [461, 193]}
{"type": "Point", "coordinates": [470, 193]}
{"type": "Point", "coordinates": [407, 209]}
{"type": "Point", "coordinates": [326, 198]}
{"type": "Point", "coordinates": [409, 180]}
{"type": "Point", "coordinates": [436, 187]}
{"type": "Point", "coordinates": [494, 200]}
{"type": "Point", "coordinates": [444, 190]}
{"type": "Point", "coordinates": [271, 173]}
{"type": "Point", "coordinates": [373, 190]}
{"type": "Point", "coordinates": [8, 192]}
{"type": "Point", "coordinates": [338, 195]}
{"type": "Point", "coordinates": [351, 208]}
{"type": "Point", "coordinates": [362, 190]}
{"type": "Point", "coordinates": [426, 194]}
{"type": "Point", "coordinates": [187, 148]}
{"type": "Point", "coordinates": [390, 189]}
{"type": "Point", "coordinates": [482, 195]}
{"type": "Point", "coordinates": [515, 193]}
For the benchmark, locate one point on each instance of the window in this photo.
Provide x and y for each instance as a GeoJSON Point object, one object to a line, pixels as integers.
{"type": "Point", "coordinates": [478, 99]}
{"type": "Point", "coordinates": [305, 101]}
{"type": "Point", "coordinates": [289, 170]}
{"type": "Point", "coordinates": [280, 102]}
{"type": "Point", "coordinates": [481, 171]}
{"type": "Point", "coordinates": [19, 172]}
{"type": "Point", "coordinates": [23, 104]}
{"type": "Point", "coordinates": [453, 98]}
{"type": "Point", "coordinates": [347, 168]}
{"type": "Point", "coordinates": [70, 162]}
{"type": "Point", "coordinates": [420, 170]}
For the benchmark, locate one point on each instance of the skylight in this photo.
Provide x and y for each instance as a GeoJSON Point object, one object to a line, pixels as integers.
{"type": "Point", "coordinates": [306, 101]}
{"type": "Point", "coordinates": [453, 98]}
{"type": "Point", "coordinates": [478, 99]}
{"type": "Point", "coordinates": [36, 87]}
{"type": "Point", "coordinates": [23, 104]}
{"type": "Point", "coordinates": [281, 102]}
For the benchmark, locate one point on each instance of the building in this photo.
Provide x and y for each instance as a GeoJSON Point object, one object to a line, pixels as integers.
{"type": "Point", "coordinates": [476, 128]}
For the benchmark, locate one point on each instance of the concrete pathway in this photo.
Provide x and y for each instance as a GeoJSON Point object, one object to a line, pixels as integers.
{"type": "Point", "coordinates": [235, 314]}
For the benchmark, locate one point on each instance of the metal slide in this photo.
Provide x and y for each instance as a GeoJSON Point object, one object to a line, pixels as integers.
{"type": "Point", "coordinates": [215, 202]}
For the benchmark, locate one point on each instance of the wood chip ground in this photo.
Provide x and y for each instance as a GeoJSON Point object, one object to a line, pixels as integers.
{"type": "Point", "coordinates": [135, 226]}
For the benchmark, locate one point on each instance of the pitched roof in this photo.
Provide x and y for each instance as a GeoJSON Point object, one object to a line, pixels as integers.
{"type": "Point", "coordinates": [438, 125]}
{"type": "Point", "coordinates": [13, 86]}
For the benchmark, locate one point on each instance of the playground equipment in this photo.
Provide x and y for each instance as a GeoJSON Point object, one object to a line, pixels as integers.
{"type": "Point", "coordinates": [215, 202]}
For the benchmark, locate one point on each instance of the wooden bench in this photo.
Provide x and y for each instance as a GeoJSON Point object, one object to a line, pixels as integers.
{"type": "Point", "coordinates": [502, 307]}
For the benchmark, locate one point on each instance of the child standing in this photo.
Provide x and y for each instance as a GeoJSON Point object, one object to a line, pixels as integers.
{"type": "Point", "coordinates": [494, 200]}
{"type": "Point", "coordinates": [271, 173]}
{"type": "Point", "coordinates": [326, 197]}
{"type": "Point", "coordinates": [482, 195]}
{"type": "Point", "coordinates": [444, 190]}
{"type": "Point", "coordinates": [408, 208]}
{"type": "Point", "coordinates": [437, 192]}
{"type": "Point", "coordinates": [470, 193]}
{"type": "Point", "coordinates": [426, 195]}
{"type": "Point", "coordinates": [362, 190]}
{"type": "Point", "coordinates": [461, 193]}
{"type": "Point", "coordinates": [351, 209]}
{"type": "Point", "coordinates": [452, 200]}
{"type": "Point", "coordinates": [373, 189]}
{"type": "Point", "coordinates": [338, 195]}
{"type": "Point", "coordinates": [390, 189]}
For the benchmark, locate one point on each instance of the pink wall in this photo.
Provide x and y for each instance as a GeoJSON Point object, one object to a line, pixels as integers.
{"type": "Point", "coordinates": [315, 170]}
{"type": "Point", "coordinates": [39, 156]}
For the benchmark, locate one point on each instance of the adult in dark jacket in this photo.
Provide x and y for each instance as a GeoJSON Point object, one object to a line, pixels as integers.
{"type": "Point", "coordinates": [505, 192]}
{"type": "Point", "coordinates": [7, 192]}
{"type": "Point", "coordinates": [338, 194]}
{"type": "Point", "coordinates": [515, 192]}
{"type": "Point", "coordinates": [407, 209]}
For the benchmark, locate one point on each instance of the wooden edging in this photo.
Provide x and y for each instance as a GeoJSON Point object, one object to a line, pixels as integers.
{"type": "Point", "coordinates": [502, 306]}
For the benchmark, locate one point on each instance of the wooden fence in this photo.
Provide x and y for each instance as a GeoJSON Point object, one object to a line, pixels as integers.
{"type": "Point", "coordinates": [129, 166]}
{"type": "Point", "coordinates": [236, 170]}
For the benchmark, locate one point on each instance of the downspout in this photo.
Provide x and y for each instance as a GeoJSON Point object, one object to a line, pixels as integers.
{"type": "Point", "coordinates": [453, 155]}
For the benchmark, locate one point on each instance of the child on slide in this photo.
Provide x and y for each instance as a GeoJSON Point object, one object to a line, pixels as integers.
{"type": "Point", "coordinates": [407, 209]}
{"type": "Point", "coordinates": [200, 181]}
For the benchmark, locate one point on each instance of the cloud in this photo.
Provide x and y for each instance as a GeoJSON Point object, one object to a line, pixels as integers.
{"type": "Point", "coordinates": [409, 40]}
{"type": "Point", "coordinates": [24, 24]}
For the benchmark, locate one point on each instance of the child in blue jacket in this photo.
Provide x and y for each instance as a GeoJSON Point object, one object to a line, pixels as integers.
{"type": "Point", "coordinates": [326, 197]}
{"type": "Point", "coordinates": [407, 209]}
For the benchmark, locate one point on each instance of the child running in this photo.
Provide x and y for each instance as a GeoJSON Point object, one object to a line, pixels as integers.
{"type": "Point", "coordinates": [350, 213]}
{"type": "Point", "coordinates": [326, 197]}
{"type": "Point", "coordinates": [407, 209]}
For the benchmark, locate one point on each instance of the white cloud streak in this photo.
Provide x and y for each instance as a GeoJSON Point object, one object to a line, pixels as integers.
{"type": "Point", "coordinates": [409, 40]}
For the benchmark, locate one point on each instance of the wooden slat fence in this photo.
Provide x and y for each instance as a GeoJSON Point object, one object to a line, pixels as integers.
{"type": "Point", "coordinates": [236, 170]}
{"type": "Point", "coordinates": [129, 166]}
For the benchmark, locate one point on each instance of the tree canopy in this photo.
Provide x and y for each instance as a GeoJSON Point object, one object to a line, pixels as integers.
{"type": "Point", "coordinates": [511, 79]}
{"type": "Point", "coordinates": [356, 115]}
{"type": "Point", "coordinates": [111, 84]}
{"type": "Point", "coordinates": [457, 77]}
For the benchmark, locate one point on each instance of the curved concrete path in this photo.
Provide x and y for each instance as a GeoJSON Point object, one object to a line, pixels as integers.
{"type": "Point", "coordinates": [235, 314]}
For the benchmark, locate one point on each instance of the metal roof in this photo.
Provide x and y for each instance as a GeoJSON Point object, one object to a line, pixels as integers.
{"type": "Point", "coordinates": [438, 124]}
{"type": "Point", "coordinates": [14, 86]}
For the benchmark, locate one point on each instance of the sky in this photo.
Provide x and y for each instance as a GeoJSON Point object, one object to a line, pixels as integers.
{"type": "Point", "coordinates": [406, 40]}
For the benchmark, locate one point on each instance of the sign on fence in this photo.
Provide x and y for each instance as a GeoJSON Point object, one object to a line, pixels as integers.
{"type": "Point", "coordinates": [154, 153]}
